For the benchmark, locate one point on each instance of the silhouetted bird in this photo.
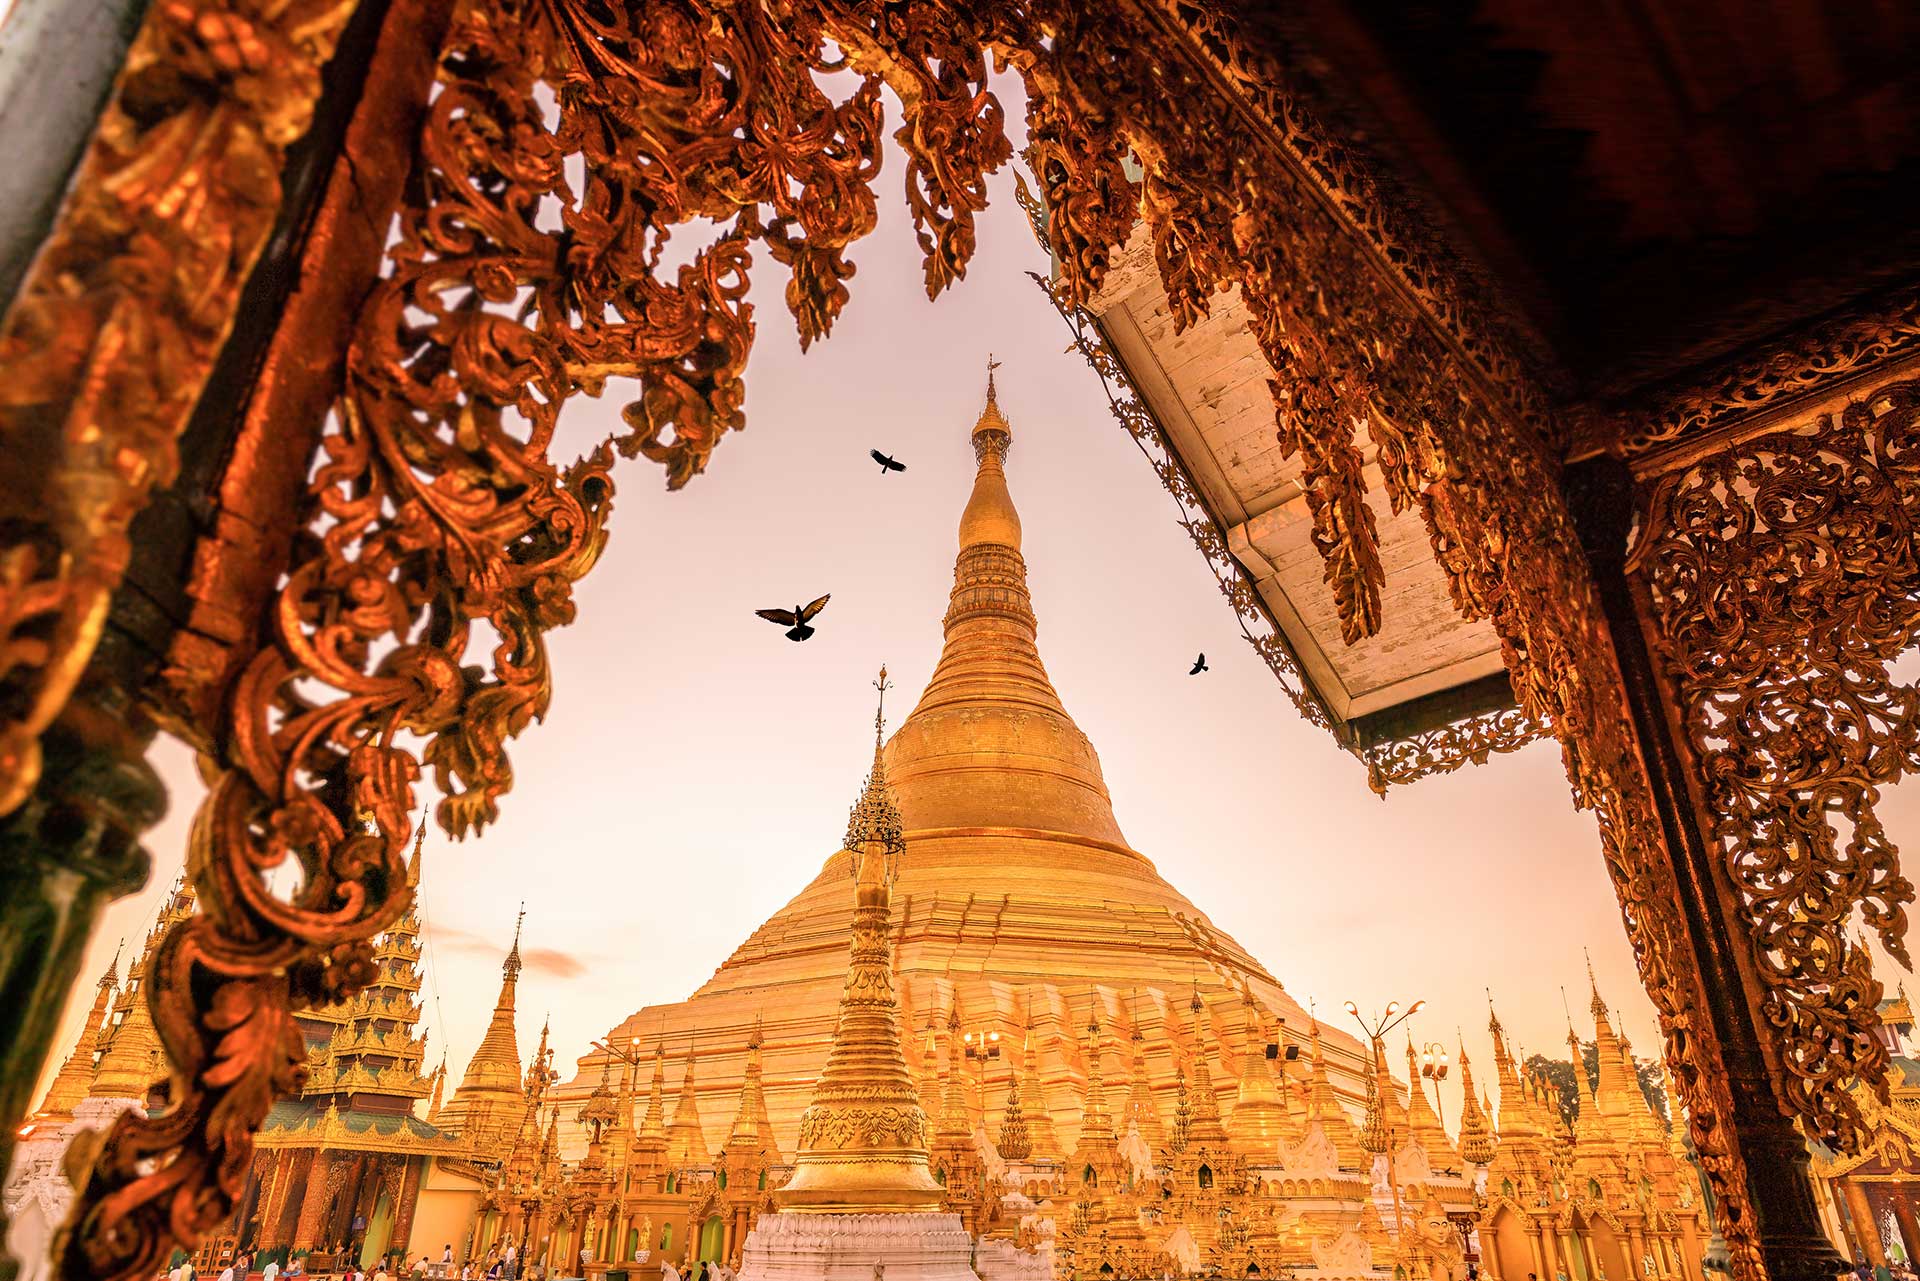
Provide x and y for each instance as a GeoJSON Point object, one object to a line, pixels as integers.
{"type": "Point", "coordinates": [1199, 665]}
{"type": "Point", "coordinates": [795, 620]}
{"type": "Point", "coordinates": [886, 464]}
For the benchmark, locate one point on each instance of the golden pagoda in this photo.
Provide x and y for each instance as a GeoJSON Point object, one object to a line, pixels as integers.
{"type": "Point", "coordinates": [76, 1074]}
{"type": "Point", "coordinates": [864, 1141]}
{"type": "Point", "coordinates": [487, 1107]}
{"type": "Point", "coordinates": [132, 1061]}
{"type": "Point", "coordinates": [1015, 892]}
{"type": "Point", "coordinates": [1260, 1121]}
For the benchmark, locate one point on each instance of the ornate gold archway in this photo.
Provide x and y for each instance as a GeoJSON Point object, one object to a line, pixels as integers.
{"type": "Point", "coordinates": [351, 439]}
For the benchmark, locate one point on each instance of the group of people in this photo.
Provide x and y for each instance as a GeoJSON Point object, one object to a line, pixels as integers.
{"type": "Point", "coordinates": [502, 1263]}
{"type": "Point", "coordinates": [702, 1270]}
{"type": "Point", "coordinates": [1893, 1270]}
{"type": "Point", "coordinates": [241, 1269]}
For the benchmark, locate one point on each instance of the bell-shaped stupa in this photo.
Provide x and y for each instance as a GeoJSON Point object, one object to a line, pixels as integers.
{"type": "Point", "coordinates": [1015, 896]}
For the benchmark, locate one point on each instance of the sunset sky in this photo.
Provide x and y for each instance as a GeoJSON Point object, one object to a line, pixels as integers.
{"type": "Point", "coordinates": [696, 767]}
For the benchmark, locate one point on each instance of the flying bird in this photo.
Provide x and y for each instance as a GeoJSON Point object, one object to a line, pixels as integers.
{"type": "Point", "coordinates": [1199, 665]}
{"type": "Point", "coordinates": [795, 620]}
{"type": "Point", "coordinates": [887, 464]}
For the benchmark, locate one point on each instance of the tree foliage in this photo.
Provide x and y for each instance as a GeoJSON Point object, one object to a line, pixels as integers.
{"type": "Point", "coordinates": [1560, 1073]}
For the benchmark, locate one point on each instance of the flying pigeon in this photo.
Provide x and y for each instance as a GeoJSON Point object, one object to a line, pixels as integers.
{"type": "Point", "coordinates": [795, 620]}
{"type": "Point", "coordinates": [886, 464]}
{"type": "Point", "coordinates": [1199, 665]}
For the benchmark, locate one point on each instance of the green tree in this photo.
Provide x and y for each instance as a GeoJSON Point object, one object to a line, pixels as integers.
{"type": "Point", "coordinates": [1560, 1073]}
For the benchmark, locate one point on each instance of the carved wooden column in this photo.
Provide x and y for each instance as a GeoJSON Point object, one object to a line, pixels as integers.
{"type": "Point", "coordinates": [1903, 1215]}
{"type": "Point", "coordinates": [1866, 1233]}
{"type": "Point", "coordinates": [272, 1229]}
{"type": "Point", "coordinates": [322, 1181]}
{"type": "Point", "coordinates": [1600, 496]}
{"type": "Point", "coordinates": [403, 1208]}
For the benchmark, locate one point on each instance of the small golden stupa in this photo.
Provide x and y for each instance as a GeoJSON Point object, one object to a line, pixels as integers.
{"type": "Point", "coordinates": [863, 1140]}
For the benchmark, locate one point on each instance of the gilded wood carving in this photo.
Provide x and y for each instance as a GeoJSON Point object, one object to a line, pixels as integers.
{"type": "Point", "coordinates": [117, 324]}
{"type": "Point", "coordinates": [569, 143]}
{"type": "Point", "coordinates": [1784, 580]}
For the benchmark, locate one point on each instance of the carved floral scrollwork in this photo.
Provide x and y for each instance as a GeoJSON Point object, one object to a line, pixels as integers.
{"type": "Point", "coordinates": [566, 145]}
{"type": "Point", "coordinates": [116, 326]}
{"type": "Point", "coordinates": [1448, 747]}
{"type": "Point", "coordinates": [1784, 575]}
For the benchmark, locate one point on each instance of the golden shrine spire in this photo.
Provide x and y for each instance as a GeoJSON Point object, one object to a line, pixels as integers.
{"type": "Point", "coordinates": [1095, 1124]}
{"type": "Point", "coordinates": [1014, 1145]}
{"type": "Point", "coordinates": [413, 862]}
{"type": "Point", "coordinates": [1206, 1128]}
{"type": "Point", "coordinates": [1259, 1122]}
{"type": "Point", "coordinates": [749, 1136]}
{"type": "Point", "coordinates": [76, 1074]}
{"type": "Point", "coordinates": [1423, 1124]}
{"type": "Point", "coordinates": [1042, 1142]}
{"type": "Point", "coordinates": [686, 1140]}
{"type": "Point", "coordinates": [1323, 1106]}
{"type": "Point", "coordinates": [955, 1124]}
{"type": "Point", "coordinates": [989, 744]}
{"type": "Point", "coordinates": [510, 968]}
{"type": "Point", "coordinates": [1476, 1134]}
{"type": "Point", "coordinates": [863, 1140]}
{"type": "Point", "coordinates": [492, 1082]}
{"type": "Point", "coordinates": [131, 1056]}
{"type": "Point", "coordinates": [1142, 1114]}
{"type": "Point", "coordinates": [654, 1124]}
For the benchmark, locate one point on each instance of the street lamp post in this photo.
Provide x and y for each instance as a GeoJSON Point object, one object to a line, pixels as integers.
{"type": "Point", "coordinates": [1377, 1137]}
{"type": "Point", "coordinates": [981, 1047]}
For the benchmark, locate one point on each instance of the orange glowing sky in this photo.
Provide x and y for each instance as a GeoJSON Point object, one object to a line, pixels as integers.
{"type": "Point", "coordinates": [696, 767]}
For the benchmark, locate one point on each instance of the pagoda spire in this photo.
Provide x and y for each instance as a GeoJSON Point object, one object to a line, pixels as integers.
{"type": "Point", "coordinates": [488, 1106]}
{"type": "Point", "coordinates": [750, 1143]}
{"type": "Point", "coordinates": [686, 1140]}
{"type": "Point", "coordinates": [989, 745]}
{"type": "Point", "coordinates": [654, 1123]}
{"type": "Point", "coordinates": [1142, 1114]}
{"type": "Point", "coordinates": [413, 862]}
{"type": "Point", "coordinates": [1323, 1106]}
{"type": "Point", "coordinates": [1259, 1120]}
{"type": "Point", "coordinates": [1618, 1087]}
{"type": "Point", "coordinates": [76, 1074]}
{"type": "Point", "coordinates": [1014, 1143]}
{"type": "Point", "coordinates": [1207, 1130]}
{"type": "Point", "coordinates": [1476, 1135]}
{"type": "Point", "coordinates": [863, 1139]}
{"type": "Point", "coordinates": [955, 1125]}
{"type": "Point", "coordinates": [1423, 1124]}
{"type": "Point", "coordinates": [1095, 1124]}
{"type": "Point", "coordinates": [131, 1055]}
{"type": "Point", "coordinates": [1042, 1141]}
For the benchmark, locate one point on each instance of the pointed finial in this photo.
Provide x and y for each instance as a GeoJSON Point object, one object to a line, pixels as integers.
{"type": "Point", "coordinates": [880, 712]}
{"type": "Point", "coordinates": [1599, 1007]}
{"type": "Point", "coordinates": [112, 977]}
{"type": "Point", "coordinates": [992, 438]}
{"type": "Point", "coordinates": [419, 839]}
{"type": "Point", "coordinates": [511, 966]}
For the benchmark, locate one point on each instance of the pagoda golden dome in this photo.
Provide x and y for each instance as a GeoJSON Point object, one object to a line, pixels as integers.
{"type": "Point", "coordinates": [989, 745]}
{"type": "Point", "coordinates": [1015, 895]}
